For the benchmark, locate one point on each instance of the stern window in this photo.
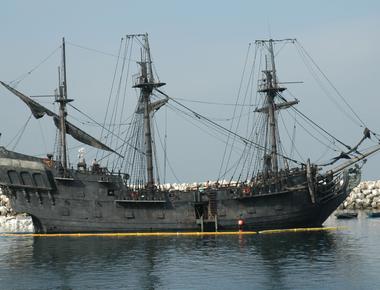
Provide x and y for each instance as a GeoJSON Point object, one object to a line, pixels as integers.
{"type": "Point", "coordinates": [26, 178]}
{"type": "Point", "coordinates": [13, 177]}
{"type": "Point", "coordinates": [39, 180]}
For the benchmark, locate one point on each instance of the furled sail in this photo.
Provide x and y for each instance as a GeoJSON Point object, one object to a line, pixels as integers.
{"type": "Point", "coordinates": [39, 111]}
{"type": "Point", "coordinates": [154, 106]}
{"type": "Point", "coordinates": [82, 136]}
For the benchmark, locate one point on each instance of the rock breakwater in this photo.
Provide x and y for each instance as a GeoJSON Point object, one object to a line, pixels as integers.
{"type": "Point", "coordinates": [11, 221]}
{"type": "Point", "coordinates": [366, 196]}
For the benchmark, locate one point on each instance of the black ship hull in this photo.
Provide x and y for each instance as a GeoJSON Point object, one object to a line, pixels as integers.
{"type": "Point", "coordinates": [153, 220]}
{"type": "Point", "coordinates": [90, 201]}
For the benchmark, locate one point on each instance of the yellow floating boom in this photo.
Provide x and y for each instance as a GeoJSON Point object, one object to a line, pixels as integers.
{"type": "Point", "coordinates": [171, 234]}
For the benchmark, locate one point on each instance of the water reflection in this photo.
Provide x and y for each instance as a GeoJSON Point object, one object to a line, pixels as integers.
{"type": "Point", "coordinates": [126, 261]}
{"type": "Point", "coordinates": [15, 252]}
{"type": "Point", "coordinates": [283, 253]}
{"type": "Point", "coordinates": [268, 261]}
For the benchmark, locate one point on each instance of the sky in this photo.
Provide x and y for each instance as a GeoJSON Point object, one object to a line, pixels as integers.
{"type": "Point", "coordinates": [198, 49]}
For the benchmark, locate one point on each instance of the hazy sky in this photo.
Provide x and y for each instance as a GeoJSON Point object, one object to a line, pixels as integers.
{"type": "Point", "coordinates": [198, 48]}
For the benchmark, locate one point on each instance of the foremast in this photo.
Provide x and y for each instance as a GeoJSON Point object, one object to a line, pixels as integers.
{"type": "Point", "coordinates": [146, 83]}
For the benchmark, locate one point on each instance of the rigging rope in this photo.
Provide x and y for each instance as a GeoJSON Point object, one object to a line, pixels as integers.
{"type": "Point", "coordinates": [303, 55]}
{"type": "Point", "coordinates": [332, 85]}
{"type": "Point", "coordinates": [314, 123]}
{"type": "Point", "coordinates": [110, 132]}
{"type": "Point", "coordinates": [22, 77]}
{"type": "Point", "coordinates": [180, 113]}
{"type": "Point", "coordinates": [116, 107]}
{"type": "Point", "coordinates": [244, 140]}
{"type": "Point", "coordinates": [124, 94]}
{"type": "Point", "coordinates": [293, 137]}
{"type": "Point", "coordinates": [244, 100]}
{"type": "Point", "coordinates": [215, 103]}
{"type": "Point", "coordinates": [293, 147]}
{"type": "Point", "coordinates": [19, 133]}
{"type": "Point", "coordinates": [110, 94]}
{"type": "Point", "coordinates": [95, 50]}
{"type": "Point", "coordinates": [234, 112]}
{"type": "Point", "coordinates": [42, 135]}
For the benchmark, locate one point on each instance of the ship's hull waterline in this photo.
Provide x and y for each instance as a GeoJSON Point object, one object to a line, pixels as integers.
{"type": "Point", "coordinates": [98, 202]}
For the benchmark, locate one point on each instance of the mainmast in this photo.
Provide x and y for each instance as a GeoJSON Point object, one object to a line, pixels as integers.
{"type": "Point", "coordinates": [146, 83]}
{"type": "Point", "coordinates": [63, 100]}
{"type": "Point", "coordinates": [271, 88]}
{"type": "Point", "coordinates": [271, 93]}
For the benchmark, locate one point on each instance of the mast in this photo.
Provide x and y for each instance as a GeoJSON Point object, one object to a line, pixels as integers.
{"type": "Point", "coordinates": [146, 83]}
{"type": "Point", "coordinates": [148, 77]}
{"type": "Point", "coordinates": [270, 87]}
{"type": "Point", "coordinates": [272, 119]}
{"type": "Point", "coordinates": [62, 100]}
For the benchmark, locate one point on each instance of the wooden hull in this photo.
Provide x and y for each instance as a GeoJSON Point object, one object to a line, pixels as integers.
{"type": "Point", "coordinates": [92, 202]}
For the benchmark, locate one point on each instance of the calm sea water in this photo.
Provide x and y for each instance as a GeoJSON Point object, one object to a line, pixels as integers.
{"type": "Point", "coordinates": [344, 259]}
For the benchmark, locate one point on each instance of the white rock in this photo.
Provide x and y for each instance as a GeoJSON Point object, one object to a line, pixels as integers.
{"type": "Point", "coordinates": [4, 200]}
{"type": "Point", "coordinates": [366, 202]}
{"type": "Point", "coordinates": [19, 223]}
{"type": "Point", "coordinates": [365, 192]}
{"type": "Point", "coordinates": [3, 210]}
{"type": "Point", "coordinates": [356, 190]}
{"type": "Point", "coordinates": [351, 206]}
{"type": "Point", "coordinates": [376, 199]}
{"type": "Point", "coordinates": [370, 196]}
{"type": "Point", "coordinates": [371, 185]}
{"type": "Point", "coordinates": [363, 185]}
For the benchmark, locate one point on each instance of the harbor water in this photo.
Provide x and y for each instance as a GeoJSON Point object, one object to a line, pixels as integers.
{"type": "Point", "coordinates": [344, 258]}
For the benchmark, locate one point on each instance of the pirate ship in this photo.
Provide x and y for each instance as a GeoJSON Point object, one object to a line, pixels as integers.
{"type": "Point", "coordinates": [277, 192]}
